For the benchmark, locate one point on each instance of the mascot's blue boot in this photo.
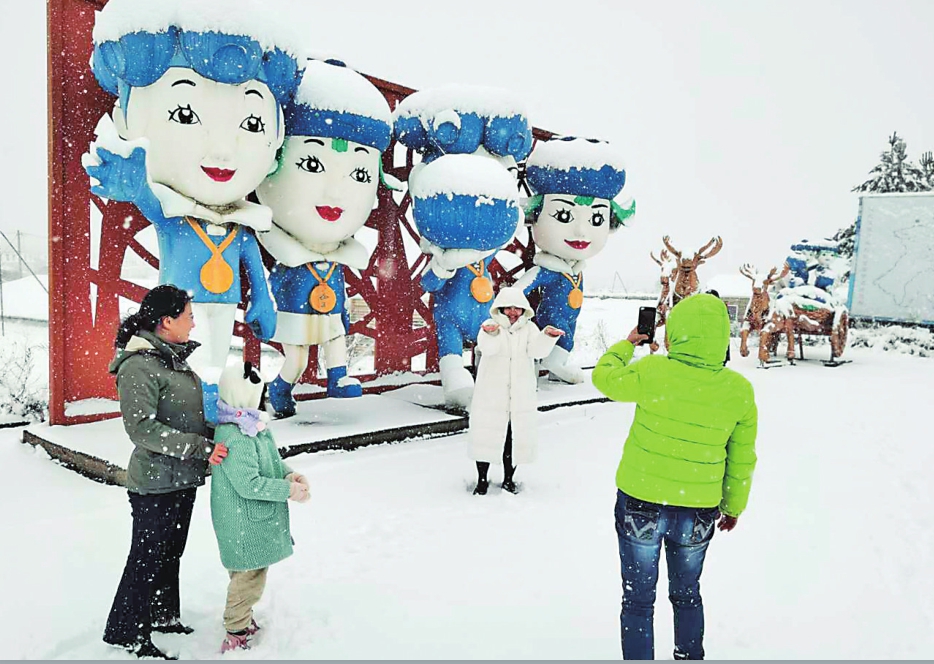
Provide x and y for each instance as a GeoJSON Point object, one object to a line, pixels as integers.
{"type": "Point", "coordinates": [280, 396]}
{"type": "Point", "coordinates": [341, 386]}
{"type": "Point", "coordinates": [209, 402]}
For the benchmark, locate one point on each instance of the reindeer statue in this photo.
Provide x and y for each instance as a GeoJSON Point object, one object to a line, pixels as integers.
{"type": "Point", "coordinates": [686, 282]}
{"type": "Point", "coordinates": [668, 265]}
{"type": "Point", "coordinates": [758, 313]}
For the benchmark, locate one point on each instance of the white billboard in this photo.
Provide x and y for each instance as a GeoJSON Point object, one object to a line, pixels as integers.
{"type": "Point", "coordinates": [892, 277]}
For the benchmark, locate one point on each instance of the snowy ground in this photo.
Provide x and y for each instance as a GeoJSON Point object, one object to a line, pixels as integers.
{"type": "Point", "coordinates": [396, 559]}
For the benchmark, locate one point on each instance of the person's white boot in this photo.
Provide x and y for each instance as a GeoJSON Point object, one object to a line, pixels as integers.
{"type": "Point", "coordinates": [558, 367]}
{"type": "Point", "coordinates": [456, 381]}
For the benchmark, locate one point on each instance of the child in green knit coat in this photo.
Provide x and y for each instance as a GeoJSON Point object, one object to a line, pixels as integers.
{"type": "Point", "coordinates": [249, 494]}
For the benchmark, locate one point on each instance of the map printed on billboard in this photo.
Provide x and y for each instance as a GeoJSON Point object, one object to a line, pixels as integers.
{"type": "Point", "coordinates": [891, 276]}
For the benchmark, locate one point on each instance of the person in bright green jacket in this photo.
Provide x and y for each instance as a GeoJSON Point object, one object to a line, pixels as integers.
{"type": "Point", "coordinates": [249, 494]}
{"type": "Point", "coordinates": [687, 462]}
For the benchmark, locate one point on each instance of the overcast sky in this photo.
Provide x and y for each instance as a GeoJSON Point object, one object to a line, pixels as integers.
{"type": "Point", "coordinates": [749, 120]}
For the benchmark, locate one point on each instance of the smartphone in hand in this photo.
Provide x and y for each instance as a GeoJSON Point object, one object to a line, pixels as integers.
{"type": "Point", "coordinates": [646, 323]}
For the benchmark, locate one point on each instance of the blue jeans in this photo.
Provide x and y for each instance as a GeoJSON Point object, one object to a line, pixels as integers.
{"type": "Point", "coordinates": [641, 528]}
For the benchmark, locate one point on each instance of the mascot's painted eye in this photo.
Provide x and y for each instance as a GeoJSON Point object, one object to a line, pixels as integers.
{"type": "Point", "coordinates": [597, 219]}
{"type": "Point", "coordinates": [184, 115]}
{"type": "Point", "coordinates": [311, 164]}
{"type": "Point", "coordinates": [563, 216]}
{"type": "Point", "coordinates": [254, 125]}
{"type": "Point", "coordinates": [361, 175]}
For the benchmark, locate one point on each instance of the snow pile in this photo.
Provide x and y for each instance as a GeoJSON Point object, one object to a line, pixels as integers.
{"type": "Point", "coordinates": [804, 296]}
{"type": "Point", "coordinates": [484, 101]}
{"type": "Point", "coordinates": [580, 153]}
{"type": "Point", "coordinates": [897, 338]}
{"type": "Point", "coordinates": [465, 175]}
{"type": "Point", "coordinates": [328, 87]}
{"type": "Point", "coordinates": [270, 26]}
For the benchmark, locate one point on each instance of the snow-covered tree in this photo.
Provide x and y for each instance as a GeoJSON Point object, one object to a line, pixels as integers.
{"type": "Point", "coordinates": [927, 169]}
{"type": "Point", "coordinates": [894, 173]}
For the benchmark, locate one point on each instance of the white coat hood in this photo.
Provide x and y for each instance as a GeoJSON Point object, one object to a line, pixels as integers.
{"type": "Point", "coordinates": [510, 297]}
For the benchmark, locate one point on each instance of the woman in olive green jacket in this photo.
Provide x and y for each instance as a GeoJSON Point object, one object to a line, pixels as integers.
{"type": "Point", "coordinates": [689, 457]}
{"type": "Point", "coordinates": [161, 405]}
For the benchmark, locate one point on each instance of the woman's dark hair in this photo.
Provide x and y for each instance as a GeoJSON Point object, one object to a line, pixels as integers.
{"type": "Point", "coordinates": [161, 301]}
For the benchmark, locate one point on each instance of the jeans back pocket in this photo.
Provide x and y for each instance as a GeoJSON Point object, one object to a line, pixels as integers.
{"type": "Point", "coordinates": [640, 519]}
{"type": "Point", "coordinates": [704, 521]}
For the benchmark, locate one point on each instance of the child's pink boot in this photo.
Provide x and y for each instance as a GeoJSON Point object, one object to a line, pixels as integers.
{"type": "Point", "coordinates": [235, 642]}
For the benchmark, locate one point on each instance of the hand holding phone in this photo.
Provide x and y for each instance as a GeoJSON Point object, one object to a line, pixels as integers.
{"type": "Point", "coordinates": [646, 325]}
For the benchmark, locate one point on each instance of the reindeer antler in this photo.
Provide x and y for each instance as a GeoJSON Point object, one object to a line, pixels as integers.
{"type": "Point", "coordinates": [749, 271]}
{"type": "Point", "coordinates": [663, 257]}
{"type": "Point", "coordinates": [674, 252]}
{"type": "Point", "coordinates": [716, 243]}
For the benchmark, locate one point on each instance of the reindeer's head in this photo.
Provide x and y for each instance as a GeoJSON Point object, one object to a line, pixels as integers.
{"type": "Point", "coordinates": [688, 265]}
{"type": "Point", "coordinates": [759, 303]}
{"type": "Point", "coordinates": [666, 262]}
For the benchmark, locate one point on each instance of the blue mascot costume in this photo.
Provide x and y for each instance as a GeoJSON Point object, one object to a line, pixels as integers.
{"type": "Point", "coordinates": [196, 128]}
{"type": "Point", "coordinates": [575, 183]}
{"type": "Point", "coordinates": [465, 206]}
{"type": "Point", "coordinates": [322, 193]}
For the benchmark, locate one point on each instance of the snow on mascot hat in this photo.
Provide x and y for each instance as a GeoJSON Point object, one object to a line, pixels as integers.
{"type": "Point", "coordinates": [461, 120]}
{"type": "Point", "coordinates": [826, 246]}
{"type": "Point", "coordinates": [137, 41]}
{"type": "Point", "coordinates": [585, 168]}
{"type": "Point", "coordinates": [464, 201]}
{"type": "Point", "coordinates": [336, 102]}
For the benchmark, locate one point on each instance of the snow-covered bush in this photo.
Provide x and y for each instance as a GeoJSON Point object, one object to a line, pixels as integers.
{"type": "Point", "coordinates": [22, 393]}
{"type": "Point", "coordinates": [908, 340]}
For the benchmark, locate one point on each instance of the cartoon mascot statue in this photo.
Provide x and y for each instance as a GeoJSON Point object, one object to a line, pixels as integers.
{"type": "Point", "coordinates": [465, 207]}
{"type": "Point", "coordinates": [322, 193]}
{"type": "Point", "coordinates": [196, 127]}
{"type": "Point", "coordinates": [575, 183]}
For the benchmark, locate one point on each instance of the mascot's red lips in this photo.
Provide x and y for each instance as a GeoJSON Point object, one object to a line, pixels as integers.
{"type": "Point", "coordinates": [329, 213]}
{"type": "Point", "coordinates": [577, 244]}
{"type": "Point", "coordinates": [219, 174]}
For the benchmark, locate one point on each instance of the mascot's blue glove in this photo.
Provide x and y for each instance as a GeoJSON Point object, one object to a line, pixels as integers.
{"type": "Point", "coordinates": [261, 317]}
{"type": "Point", "coordinates": [121, 178]}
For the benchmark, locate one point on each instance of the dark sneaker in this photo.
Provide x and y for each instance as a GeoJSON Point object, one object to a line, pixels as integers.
{"type": "Point", "coordinates": [145, 650]}
{"type": "Point", "coordinates": [510, 486]}
{"type": "Point", "coordinates": [482, 486]}
{"type": "Point", "coordinates": [174, 627]}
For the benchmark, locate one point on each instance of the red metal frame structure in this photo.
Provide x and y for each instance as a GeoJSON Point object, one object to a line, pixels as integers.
{"type": "Point", "coordinates": [85, 264]}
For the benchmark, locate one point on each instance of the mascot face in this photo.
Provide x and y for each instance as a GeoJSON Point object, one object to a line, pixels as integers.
{"type": "Point", "coordinates": [325, 189]}
{"type": "Point", "coordinates": [212, 142]}
{"type": "Point", "coordinates": [573, 228]}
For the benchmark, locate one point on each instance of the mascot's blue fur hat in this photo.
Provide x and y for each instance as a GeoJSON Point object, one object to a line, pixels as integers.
{"type": "Point", "coordinates": [334, 101]}
{"type": "Point", "coordinates": [138, 59]}
{"type": "Point", "coordinates": [462, 120]}
{"type": "Point", "coordinates": [586, 168]}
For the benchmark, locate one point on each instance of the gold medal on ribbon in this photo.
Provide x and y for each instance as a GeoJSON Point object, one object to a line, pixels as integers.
{"type": "Point", "coordinates": [576, 296]}
{"type": "Point", "coordinates": [481, 287]}
{"type": "Point", "coordinates": [216, 275]}
{"type": "Point", "coordinates": [323, 299]}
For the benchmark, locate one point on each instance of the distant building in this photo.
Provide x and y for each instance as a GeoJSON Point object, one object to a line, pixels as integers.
{"type": "Point", "coordinates": [734, 289]}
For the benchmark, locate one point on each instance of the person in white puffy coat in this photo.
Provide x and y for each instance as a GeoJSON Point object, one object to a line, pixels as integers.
{"type": "Point", "coordinates": [503, 411]}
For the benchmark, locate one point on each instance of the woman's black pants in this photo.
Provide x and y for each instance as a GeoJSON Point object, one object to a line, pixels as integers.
{"type": "Point", "coordinates": [148, 591]}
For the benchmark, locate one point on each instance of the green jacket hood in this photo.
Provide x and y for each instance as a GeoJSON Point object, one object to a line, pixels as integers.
{"type": "Point", "coordinates": [698, 331]}
{"type": "Point", "coordinates": [149, 341]}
